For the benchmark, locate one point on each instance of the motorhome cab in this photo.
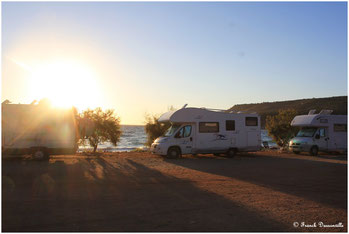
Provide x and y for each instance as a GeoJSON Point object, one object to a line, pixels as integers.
{"type": "Point", "coordinates": [319, 132]}
{"type": "Point", "coordinates": [199, 130]}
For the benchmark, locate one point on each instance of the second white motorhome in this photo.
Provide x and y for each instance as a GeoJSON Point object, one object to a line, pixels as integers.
{"type": "Point", "coordinates": [39, 130]}
{"type": "Point", "coordinates": [319, 132]}
{"type": "Point", "coordinates": [203, 131]}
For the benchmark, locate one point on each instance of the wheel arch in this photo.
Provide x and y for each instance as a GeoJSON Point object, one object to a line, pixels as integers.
{"type": "Point", "coordinates": [176, 147]}
{"type": "Point", "coordinates": [234, 148]}
{"type": "Point", "coordinates": [35, 148]}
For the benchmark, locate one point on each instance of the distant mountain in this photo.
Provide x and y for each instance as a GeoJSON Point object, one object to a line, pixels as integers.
{"type": "Point", "coordinates": [302, 106]}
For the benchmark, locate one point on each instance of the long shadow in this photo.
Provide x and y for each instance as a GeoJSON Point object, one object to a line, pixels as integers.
{"type": "Point", "coordinates": [333, 156]}
{"type": "Point", "coordinates": [27, 184]}
{"type": "Point", "coordinates": [314, 180]}
{"type": "Point", "coordinates": [97, 194]}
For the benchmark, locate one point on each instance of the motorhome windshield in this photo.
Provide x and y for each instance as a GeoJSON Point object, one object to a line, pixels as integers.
{"type": "Point", "coordinates": [171, 130]}
{"type": "Point", "coordinates": [306, 132]}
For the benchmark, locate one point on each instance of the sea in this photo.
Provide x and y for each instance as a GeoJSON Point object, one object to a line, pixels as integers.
{"type": "Point", "coordinates": [134, 137]}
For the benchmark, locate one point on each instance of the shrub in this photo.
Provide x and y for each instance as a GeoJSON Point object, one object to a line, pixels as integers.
{"type": "Point", "coordinates": [279, 126]}
{"type": "Point", "coordinates": [154, 128]}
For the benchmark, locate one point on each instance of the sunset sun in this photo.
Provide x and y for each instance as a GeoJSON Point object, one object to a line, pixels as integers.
{"type": "Point", "coordinates": [65, 83]}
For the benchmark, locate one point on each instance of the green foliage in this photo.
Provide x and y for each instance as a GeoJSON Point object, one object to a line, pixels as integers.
{"type": "Point", "coordinates": [279, 126]}
{"type": "Point", "coordinates": [154, 128]}
{"type": "Point", "coordinates": [103, 126]}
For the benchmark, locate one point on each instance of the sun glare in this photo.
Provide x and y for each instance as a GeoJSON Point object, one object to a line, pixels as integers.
{"type": "Point", "coordinates": [65, 83]}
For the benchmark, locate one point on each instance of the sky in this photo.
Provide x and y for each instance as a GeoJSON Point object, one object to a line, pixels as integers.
{"type": "Point", "coordinates": [142, 58]}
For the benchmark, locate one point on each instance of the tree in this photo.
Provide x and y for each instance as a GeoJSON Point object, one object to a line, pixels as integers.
{"type": "Point", "coordinates": [154, 128]}
{"type": "Point", "coordinates": [103, 126]}
{"type": "Point", "coordinates": [279, 126]}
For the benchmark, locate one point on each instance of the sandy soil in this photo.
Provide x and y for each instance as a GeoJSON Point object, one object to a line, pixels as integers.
{"type": "Point", "coordinates": [264, 191]}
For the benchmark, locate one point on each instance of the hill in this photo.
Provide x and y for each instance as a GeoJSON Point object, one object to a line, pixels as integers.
{"type": "Point", "coordinates": [302, 106]}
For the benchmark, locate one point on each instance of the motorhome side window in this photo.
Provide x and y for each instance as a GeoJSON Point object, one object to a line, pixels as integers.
{"type": "Point", "coordinates": [340, 127]}
{"type": "Point", "coordinates": [187, 131]}
{"type": "Point", "coordinates": [184, 132]}
{"type": "Point", "coordinates": [251, 121]}
{"type": "Point", "coordinates": [206, 127]}
{"type": "Point", "coordinates": [322, 132]}
{"type": "Point", "coordinates": [230, 125]}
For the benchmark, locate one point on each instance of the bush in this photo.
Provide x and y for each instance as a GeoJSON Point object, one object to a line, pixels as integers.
{"type": "Point", "coordinates": [279, 126]}
{"type": "Point", "coordinates": [154, 128]}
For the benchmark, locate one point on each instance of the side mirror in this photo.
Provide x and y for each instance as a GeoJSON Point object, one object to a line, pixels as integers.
{"type": "Point", "coordinates": [317, 136]}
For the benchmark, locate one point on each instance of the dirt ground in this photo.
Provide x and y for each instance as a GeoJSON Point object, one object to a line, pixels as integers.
{"type": "Point", "coordinates": [264, 191]}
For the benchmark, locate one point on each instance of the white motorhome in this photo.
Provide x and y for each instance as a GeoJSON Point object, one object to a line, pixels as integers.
{"type": "Point", "coordinates": [203, 131]}
{"type": "Point", "coordinates": [40, 130]}
{"type": "Point", "coordinates": [319, 132]}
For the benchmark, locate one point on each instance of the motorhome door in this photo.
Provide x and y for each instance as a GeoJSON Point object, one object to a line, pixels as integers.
{"type": "Point", "coordinates": [184, 138]}
{"type": "Point", "coordinates": [321, 138]}
{"type": "Point", "coordinates": [253, 131]}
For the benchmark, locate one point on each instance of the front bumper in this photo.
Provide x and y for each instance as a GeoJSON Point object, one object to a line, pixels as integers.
{"type": "Point", "coordinates": [158, 149]}
{"type": "Point", "coordinates": [299, 148]}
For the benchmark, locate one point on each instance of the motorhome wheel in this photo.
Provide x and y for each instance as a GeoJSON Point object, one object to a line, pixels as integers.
{"type": "Point", "coordinates": [174, 152]}
{"type": "Point", "coordinates": [231, 153]}
{"type": "Point", "coordinates": [40, 154]}
{"type": "Point", "coordinates": [296, 152]}
{"type": "Point", "coordinates": [314, 150]}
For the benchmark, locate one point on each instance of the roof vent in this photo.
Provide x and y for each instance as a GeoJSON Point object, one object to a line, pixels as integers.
{"type": "Point", "coordinates": [311, 112]}
{"type": "Point", "coordinates": [325, 112]}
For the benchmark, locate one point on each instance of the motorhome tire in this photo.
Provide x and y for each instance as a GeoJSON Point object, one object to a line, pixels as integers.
{"type": "Point", "coordinates": [296, 152]}
{"type": "Point", "coordinates": [231, 153]}
{"type": "Point", "coordinates": [314, 150]}
{"type": "Point", "coordinates": [174, 152]}
{"type": "Point", "coordinates": [40, 154]}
